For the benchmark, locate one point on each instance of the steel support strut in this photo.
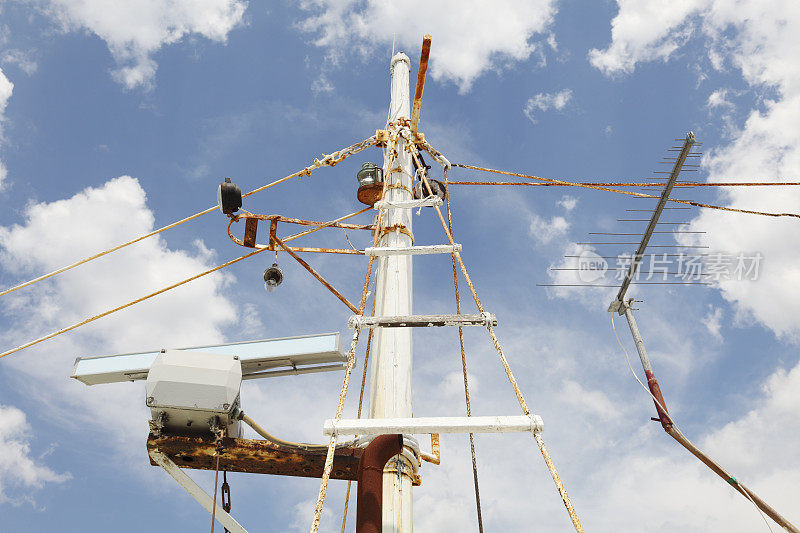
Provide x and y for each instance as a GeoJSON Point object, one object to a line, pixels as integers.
{"type": "Point", "coordinates": [675, 433]}
{"type": "Point", "coordinates": [196, 492]}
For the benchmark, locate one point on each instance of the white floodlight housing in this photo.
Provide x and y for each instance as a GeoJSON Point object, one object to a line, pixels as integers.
{"type": "Point", "coordinates": [193, 392]}
{"type": "Point", "coordinates": [259, 359]}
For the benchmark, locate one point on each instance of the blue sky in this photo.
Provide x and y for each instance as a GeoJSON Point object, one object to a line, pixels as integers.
{"type": "Point", "coordinates": [118, 119]}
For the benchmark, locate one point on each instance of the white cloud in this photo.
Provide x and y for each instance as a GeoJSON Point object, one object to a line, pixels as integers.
{"type": "Point", "coordinates": [135, 31]}
{"type": "Point", "coordinates": [546, 101]}
{"type": "Point", "coordinates": [469, 37]}
{"type": "Point", "coordinates": [719, 98]}
{"type": "Point", "coordinates": [20, 472]}
{"type": "Point", "coordinates": [321, 85]}
{"type": "Point", "coordinates": [593, 402]}
{"type": "Point", "coordinates": [545, 230]}
{"type": "Point", "coordinates": [581, 265]}
{"type": "Point", "coordinates": [305, 509]}
{"type": "Point", "coordinates": [452, 386]}
{"type": "Point", "coordinates": [763, 45]}
{"type": "Point", "coordinates": [713, 321]}
{"type": "Point", "coordinates": [603, 464]}
{"type": "Point", "coordinates": [645, 30]}
{"type": "Point", "coordinates": [719, 104]}
{"type": "Point", "coordinates": [24, 60]}
{"type": "Point", "coordinates": [568, 202]}
{"type": "Point", "coordinates": [57, 233]}
{"type": "Point", "coordinates": [6, 88]}
{"type": "Point", "coordinates": [692, 498]}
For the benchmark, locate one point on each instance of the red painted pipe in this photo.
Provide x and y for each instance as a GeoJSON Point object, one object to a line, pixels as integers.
{"type": "Point", "coordinates": [369, 506]}
{"type": "Point", "coordinates": [655, 390]}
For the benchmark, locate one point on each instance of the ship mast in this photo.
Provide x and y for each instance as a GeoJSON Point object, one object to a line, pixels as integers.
{"type": "Point", "coordinates": [390, 385]}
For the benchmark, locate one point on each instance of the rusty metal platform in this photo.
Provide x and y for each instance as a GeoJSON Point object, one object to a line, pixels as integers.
{"type": "Point", "coordinates": [254, 456]}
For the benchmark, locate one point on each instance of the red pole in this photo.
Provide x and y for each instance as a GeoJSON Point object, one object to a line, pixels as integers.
{"type": "Point", "coordinates": [369, 506]}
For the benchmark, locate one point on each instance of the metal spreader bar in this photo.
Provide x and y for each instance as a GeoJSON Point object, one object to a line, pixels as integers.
{"type": "Point", "coordinates": [434, 425]}
{"type": "Point", "coordinates": [420, 321]}
{"type": "Point", "coordinates": [651, 226]}
{"type": "Point", "coordinates": [412, 250]}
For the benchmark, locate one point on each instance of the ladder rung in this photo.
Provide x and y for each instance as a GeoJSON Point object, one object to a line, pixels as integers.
{"type": "Point", "coordinates": [413, 250]}
{"type": "Point", "coordinates": [430, 201]}
{"type": "Point", "coordinates": [431, 425]}
{"type": "Point", "coordinates": [420, 321]}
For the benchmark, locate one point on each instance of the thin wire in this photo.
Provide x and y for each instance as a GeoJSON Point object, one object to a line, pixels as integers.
{"type": "Point", "coordinates": [464, 366]}
{"type": "Point", "coordinates": [664, 409]}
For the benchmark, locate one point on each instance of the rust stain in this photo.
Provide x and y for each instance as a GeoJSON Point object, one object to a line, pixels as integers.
{"type": "Point", "coordinates": [255, 457]}
{"type": "Point", "coordinates": [250, 231]}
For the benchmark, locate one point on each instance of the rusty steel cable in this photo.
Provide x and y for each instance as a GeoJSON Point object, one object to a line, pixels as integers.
{"type": "Point", "coordinates": [325, 283]}
{"type": "Point", "coordinates": [464, 365]}
{"type": "Point", "coordinates": [330, 160]}
{"type": "Point", "coordinates": [326, 471]}
{"type": "Point", "coordinates": [331, 223]}
{"type": "Point", "coordinates": [625, 184]}
{"type": "Point", "coordinates": [629, 193]}
{"type": "Point", "coordinates": [156, 293]}
{"type": "Point", "coordinates": [517, 391]}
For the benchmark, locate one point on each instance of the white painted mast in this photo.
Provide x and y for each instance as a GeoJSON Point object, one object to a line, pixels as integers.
{"type": "Point", "coordinates": [390, 368]}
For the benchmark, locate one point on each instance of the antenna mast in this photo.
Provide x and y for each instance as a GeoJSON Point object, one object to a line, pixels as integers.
{"type": "Point", "coordinates": [390, 385]}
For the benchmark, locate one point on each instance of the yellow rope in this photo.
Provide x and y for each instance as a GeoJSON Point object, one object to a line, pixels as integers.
{"type": "Point", "coordinates": [360, 404]}
{"type": "Point", "coordinates": [326, 472]}
{"type": "Point", "coordinates": [133, 302]}
{"type": "Point", "coordinates": [331, 160]}
{"type": "Point", "coordinates": [143, 298]}
{"type": "Point", "coordinates": [105, 252]}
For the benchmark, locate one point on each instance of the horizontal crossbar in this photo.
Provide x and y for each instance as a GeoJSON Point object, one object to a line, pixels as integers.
{"type": "Point", "coordinates": [420, 321]}
{"type": "Point", "coordinates": [431, 425]}
{"type": "Point", "coordinates": [413, 250]}
{"type": "Point", "coordinates": [409, 204]}
{"type": "Point", "coordinates": [254, 456]}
